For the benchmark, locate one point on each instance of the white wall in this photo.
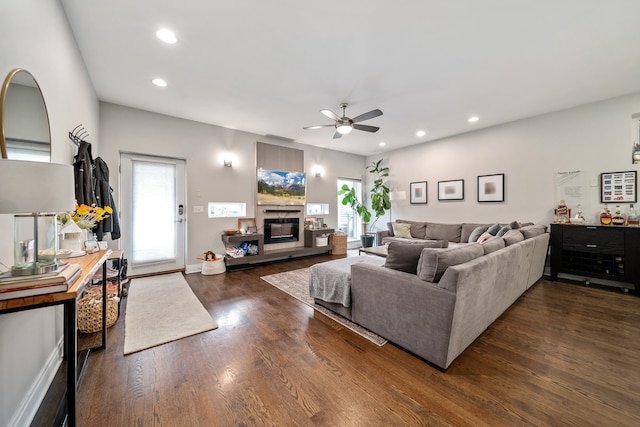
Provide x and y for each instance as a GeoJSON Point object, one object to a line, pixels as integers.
{"type": "Point", "coordinates": [594, 138]}
{"type": "Point", "coordinates": [34, 35]}
{"type": "Point", "coordinates": [203, 146]}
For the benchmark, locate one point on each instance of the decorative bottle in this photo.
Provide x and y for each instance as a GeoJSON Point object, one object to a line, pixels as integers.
{"type": "Point", "coordinates": [632, 217]}
{"type": "Point", "coordinates": [617, 218]}
{"type": "Point", "coordinates": [605, 216]}
{"type": "Point", "coordinates": [562, 213]}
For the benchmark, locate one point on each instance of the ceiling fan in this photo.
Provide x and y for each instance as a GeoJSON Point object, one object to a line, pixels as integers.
{"type": "Point", "coordinates": [344, 124]}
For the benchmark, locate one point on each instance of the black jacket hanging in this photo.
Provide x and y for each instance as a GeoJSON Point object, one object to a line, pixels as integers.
{"type": "Point", "coordinates": [104, 197]}
{"type": "Point", "coordinates": [83, 175]}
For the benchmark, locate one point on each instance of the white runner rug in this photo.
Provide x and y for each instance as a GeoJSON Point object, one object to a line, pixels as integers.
{"type": "Point", "coordinates": [161, 309]}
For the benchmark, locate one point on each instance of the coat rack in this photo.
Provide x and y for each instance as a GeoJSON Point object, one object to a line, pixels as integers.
{"type": "Point", "coordinates": [78, 135]}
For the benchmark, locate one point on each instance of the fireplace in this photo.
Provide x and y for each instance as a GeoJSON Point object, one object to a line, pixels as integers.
{"type": "Point", "coordinates": [280, 230]}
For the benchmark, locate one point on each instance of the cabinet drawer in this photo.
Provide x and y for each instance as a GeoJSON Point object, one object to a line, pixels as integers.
{"type": "Point", "coordinates": [594, 239]}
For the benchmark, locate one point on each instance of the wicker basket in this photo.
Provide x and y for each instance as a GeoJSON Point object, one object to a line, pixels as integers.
{"type": "Point", "coordinates": [339, 242]}
{"type": "Point", "coordinates": [90, 310]}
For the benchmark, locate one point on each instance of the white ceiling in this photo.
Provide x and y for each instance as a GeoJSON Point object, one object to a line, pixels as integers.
{"type": "Point", "coordinates": [268, 67]}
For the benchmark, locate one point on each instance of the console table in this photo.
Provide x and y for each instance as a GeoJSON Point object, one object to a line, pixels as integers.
{"type": "Point", "coordinates": [89, 264]}
{"type": "Point", "coordinates": [610, 253]}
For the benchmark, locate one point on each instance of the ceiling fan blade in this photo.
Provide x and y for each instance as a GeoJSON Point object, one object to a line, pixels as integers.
{"type": "Point", "coordinates": [337, 135]}
{"type": "Point", "coordinates": [366, 116]}
{"type": "Point", "coordinates": [366, 128]}
{"type": "Point", "coordinates": [330, 114]}
{"type": "Point", "coordinates": [318, 126]}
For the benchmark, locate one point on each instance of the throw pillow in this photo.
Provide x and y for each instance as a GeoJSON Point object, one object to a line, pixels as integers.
{"type": "Point", "coordinates": [529, 231]}
{"type": "Point", "coordinates": [477, 232]}
{"type": "Point", "coordinates": [503, 230]}
{"type": "Point", "coordinates": [492, 245]}
{"type": "Point", "coordinates": [434, 262]}
{"type": "Point", "coordinates": [401, 230]}
{"type": "Point", "coordinates": [404, 256]}
{"type": "Point", "coordinates": [485, 236]}
{"type": "Point", "coordinates": [417, 228]}
{"type": "Point", "coordinates": [493, 230]}
{"type": "Point", "coordinates": [512, 236]}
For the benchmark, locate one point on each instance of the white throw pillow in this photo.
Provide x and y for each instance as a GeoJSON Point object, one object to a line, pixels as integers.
{"type": "Point", "coordinates": [401, 229]}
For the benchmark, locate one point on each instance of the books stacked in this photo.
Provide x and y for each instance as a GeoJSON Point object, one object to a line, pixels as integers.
{"type": "Point", "coordinates": [26, 286]}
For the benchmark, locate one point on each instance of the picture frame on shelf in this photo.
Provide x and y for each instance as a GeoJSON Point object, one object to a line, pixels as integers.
{"type": "Point", "coordinates": [245, 223]}
{"type": "Point", "coordinates": [451, 190]}
{"type": "Point", "coordinates": [619, 187]}
{"type": "Point", "coordinates": [418, 193]}
{"type": "Point", "coordinates": [491, 188]}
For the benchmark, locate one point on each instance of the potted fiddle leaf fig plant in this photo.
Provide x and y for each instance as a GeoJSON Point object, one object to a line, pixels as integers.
{"type": "Point", "coordinates": [378, 197]}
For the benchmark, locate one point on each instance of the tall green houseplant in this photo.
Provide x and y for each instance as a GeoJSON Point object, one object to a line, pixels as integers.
{"type": "Point", "coordinates": [378, 196]}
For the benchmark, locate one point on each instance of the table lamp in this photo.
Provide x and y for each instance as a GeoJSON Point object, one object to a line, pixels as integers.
{"type": "Point", "coordinates": [34, 192]}
{"type": "Point", "coordinates": [395, 196]}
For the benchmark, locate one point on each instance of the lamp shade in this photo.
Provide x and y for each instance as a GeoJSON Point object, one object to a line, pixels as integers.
{"type": "Point", "coordinates": [33, 187]}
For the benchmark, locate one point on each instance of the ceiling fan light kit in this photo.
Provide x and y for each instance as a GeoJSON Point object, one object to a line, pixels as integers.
{"type": "Point", "coordinates": [345, 125]}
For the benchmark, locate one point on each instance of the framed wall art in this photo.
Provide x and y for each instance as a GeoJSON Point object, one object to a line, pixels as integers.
{"type": "Point", "coordinates": [451, 190]}
{"type": "Point", "coordinates": [245, 223]}
{"type": "Point", "coordinates": [491, 188]}
{"type": "Point", "coordinates": [618, 187]}
{"type": "Point", "coordinates": [418, 193]}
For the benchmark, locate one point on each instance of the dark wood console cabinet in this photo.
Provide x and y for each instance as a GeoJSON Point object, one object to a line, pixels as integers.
{"type": "Point", "coordinates": [608, 253]}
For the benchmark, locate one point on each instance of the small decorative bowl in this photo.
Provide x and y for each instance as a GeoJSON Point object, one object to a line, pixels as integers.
{"type": "Point", "coordinates": [231, 231]}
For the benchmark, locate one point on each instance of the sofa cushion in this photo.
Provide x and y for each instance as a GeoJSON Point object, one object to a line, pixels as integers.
{"type": "Point", "coordinates": [529, 231]}
{"type": "Point", "coordinates": [476, 233]}
{"type": "Point", "coordinates": [405, 256]}
{"type": "Point", "coordinates": [449, 232]}
{"type": "Point", "coordinates": [417, 228]}
{"type": "Point", "coordinates": [512, 236]}
{"type": "Point", "coordinates": [492, 245]}
{"type": "Point", "coordinates": [434, 262]}
{"type": "Point", "coordinates": [401, 229]}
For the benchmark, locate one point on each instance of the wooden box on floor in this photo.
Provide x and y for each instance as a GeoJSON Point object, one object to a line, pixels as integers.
{"type": "Point", "coordinates": [339, 242]}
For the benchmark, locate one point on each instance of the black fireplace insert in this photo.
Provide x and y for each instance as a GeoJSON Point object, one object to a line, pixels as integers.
{"type": "Point", "coordinates": [281, 230]}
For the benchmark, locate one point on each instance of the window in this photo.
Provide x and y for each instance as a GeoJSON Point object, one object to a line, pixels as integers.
{"type": "Point", "coordinates": [317, 208]}
{"type": "Point", "coordinates": [226, 209]}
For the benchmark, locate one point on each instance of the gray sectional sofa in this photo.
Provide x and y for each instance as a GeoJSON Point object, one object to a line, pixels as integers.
{"type": "Point", "coordinates": [435, 302]}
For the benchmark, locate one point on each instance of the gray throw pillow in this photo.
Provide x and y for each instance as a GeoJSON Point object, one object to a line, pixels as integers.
{"type": "Point", "coordinates": [404, 256]}
{"type": "Point", "coordinates": [434, 262]}
{"type": "Point", "coordinates": [477, 232]}
{"type": "Point", "coordinates": [493, 230]}
{"type": "Point", "coordinates": [512, 236]}
{"type": "Point", "coordinates": [492, 245]}
{"type": "Point", "coordinates": [529, 231]}
{"type": "Point", "coordinates": [503, 230]}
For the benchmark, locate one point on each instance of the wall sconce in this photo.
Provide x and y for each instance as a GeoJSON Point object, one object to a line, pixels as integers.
{"type": "Point", "coordinates": [227, 163]}
{"type": "Point", "coordinates": [317, 171]}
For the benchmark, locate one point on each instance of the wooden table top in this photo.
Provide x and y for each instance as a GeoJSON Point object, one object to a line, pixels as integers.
{"type": "Point", "coordinates": [89, 264]}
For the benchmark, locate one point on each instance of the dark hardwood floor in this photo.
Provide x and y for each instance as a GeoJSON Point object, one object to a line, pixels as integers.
{"type": "Point", "coordinates": [562, 355]}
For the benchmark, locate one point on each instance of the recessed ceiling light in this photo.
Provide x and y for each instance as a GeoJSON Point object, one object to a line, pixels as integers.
{"type": "Point", "coordinates": [166, 36]}
{"type": "Point", "coordinates": [382, 144]}
{"type": "Point", "coordinates": [473, 119]}
{"type": "Point", "coordinates": [159, 82]}
{"type": "Point", "coordinates": [421, 133]}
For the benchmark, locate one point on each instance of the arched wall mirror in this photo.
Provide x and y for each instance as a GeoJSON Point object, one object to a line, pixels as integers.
{"type": "Point", "coordinates": [24, 122]}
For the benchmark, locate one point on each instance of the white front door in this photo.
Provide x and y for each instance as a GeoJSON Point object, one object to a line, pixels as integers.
{"type": "Point", "coordinates": [153, 212]}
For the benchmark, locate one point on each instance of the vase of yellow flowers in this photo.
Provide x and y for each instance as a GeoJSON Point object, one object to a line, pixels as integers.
{"type": "Point", "coordinates": [86, 218]}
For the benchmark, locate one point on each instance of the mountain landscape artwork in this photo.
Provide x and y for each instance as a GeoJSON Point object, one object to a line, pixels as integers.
{"type": "Point", "coordinates": [281, 187]}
